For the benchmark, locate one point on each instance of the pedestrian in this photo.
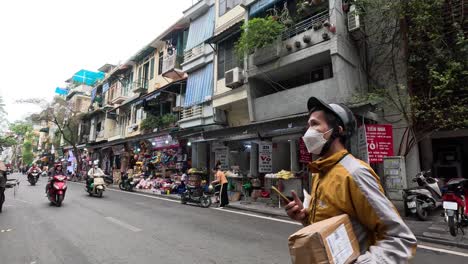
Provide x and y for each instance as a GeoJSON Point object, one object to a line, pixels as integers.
{"type": "Point", "coordinates": [342, 184]}
{"type": "Point", "coordinates": [3, 181]}
{"type": "Point", "coordinates": [221, 179]}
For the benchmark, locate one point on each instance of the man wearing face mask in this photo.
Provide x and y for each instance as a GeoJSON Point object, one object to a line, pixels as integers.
{"type": "Point", "coordinates": [344, 184]}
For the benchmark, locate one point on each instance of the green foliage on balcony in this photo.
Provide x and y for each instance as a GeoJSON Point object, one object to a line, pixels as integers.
{"type": "Point", "coordinates": [151, 121]}
{"type": "Point", "coordinates": [258, 33]}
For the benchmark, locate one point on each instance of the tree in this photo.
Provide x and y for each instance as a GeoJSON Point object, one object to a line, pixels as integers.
{"type": "Point", "coordinates": [28, 155]}
{"type": "Point", "coordinates": [416, 63]}
{"type": "Point", "coordinates": [21, 128]}
{"type": "Point", "coordinates": [64, 117]}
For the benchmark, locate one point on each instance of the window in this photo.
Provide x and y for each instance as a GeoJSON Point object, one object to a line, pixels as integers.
{"type": "Point", "coordinates": [227, 58]}
{"type": "Point", "coordinates": [160, 63]}
{"type": "Point", "coordinates": [226, 5]}
{"type": "Point", "coordinates": [152, 68]}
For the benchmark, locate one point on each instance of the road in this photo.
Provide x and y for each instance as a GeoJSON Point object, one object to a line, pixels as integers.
{"type": "Point", "coordinates": [132, 228]}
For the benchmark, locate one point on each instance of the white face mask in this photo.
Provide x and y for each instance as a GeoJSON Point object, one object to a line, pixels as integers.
{"type": "Point", "coordinates": [314, 140]}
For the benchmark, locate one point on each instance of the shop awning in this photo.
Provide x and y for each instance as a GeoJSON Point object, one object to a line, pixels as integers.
{"type": "Point", "coordinates": [199, 86]}
{"type": "Point", "coordinates": [201, 29]}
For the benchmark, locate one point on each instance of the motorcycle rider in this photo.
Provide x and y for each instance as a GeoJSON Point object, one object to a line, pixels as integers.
{"type": "Point", "coordinates": [56, 170]}
{"type": "Point", "coordinates": [34, 167]}
{"type": "Point", "coordinates": [95, 171]}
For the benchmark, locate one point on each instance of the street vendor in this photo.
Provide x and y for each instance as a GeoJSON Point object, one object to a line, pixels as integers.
{"type": "Point", "coordinates": [221, 179]}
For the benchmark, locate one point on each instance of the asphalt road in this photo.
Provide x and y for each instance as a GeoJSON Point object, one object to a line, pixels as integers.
{"type": "Point", "coordinates": [130, 228]}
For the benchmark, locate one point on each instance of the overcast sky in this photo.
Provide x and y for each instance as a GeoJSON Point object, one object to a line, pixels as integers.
{"type": "Point", "coordinates": [43, 43]}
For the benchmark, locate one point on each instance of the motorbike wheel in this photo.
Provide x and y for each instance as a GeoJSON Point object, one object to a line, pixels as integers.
{"type": "Point", "coordinates": [60, 200]}
{"type": "Point", "coordinates": [122, 187]}
{"type": "Point", "coordinates": [183, 199]}
{"type": "Point", "coordinates": [407, 211]}
{"type": "Point", "coordinates": [205, 201]}
{"type": "Point", "coordinates": [452, 226]}
{"type": "Point", "coordinates": [99, 193]}
{"type": "Point", "coordinates": [423, 214]}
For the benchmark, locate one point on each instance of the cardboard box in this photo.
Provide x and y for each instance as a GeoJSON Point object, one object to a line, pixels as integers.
{"type": "Point", "coordinates": [331, 241]}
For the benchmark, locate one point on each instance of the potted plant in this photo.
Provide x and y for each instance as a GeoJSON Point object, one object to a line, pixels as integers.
{"type": "Point", "coordinates": [168, 120]}
{"type": "Point", "coordinates": [150, 123]}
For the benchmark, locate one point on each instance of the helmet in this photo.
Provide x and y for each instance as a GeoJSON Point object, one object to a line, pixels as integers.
{"type": "Point", "coordinates": [341, 111]}
{"type": "Point", "coordinates": [58, 164]}
{"type": "Point", "coordinates": [210, 188]}
{"type": "Point", "coordinates": [96, 163]}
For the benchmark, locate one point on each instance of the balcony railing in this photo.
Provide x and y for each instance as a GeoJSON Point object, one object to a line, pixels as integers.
{"type": "Point", "coordinates": [194, 111]}
{"type": "Point", "coordinates": [100, 134]}
{"type": "Point", "coordinates": [171, 66]}
{"type": "Point", "coordinates": [194, 52]}
{"type": "Point", "coordinates": [117, 94]}
{"type": "Point", "coordinates": [305, 25]}
{"type": "Point", "coordinates": [140, 86]}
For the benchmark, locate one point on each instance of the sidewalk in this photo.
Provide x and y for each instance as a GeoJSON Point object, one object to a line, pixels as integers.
{"type": "Point", "coordinates": [435, 230]}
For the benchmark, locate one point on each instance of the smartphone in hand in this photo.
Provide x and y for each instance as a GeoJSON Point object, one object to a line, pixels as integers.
{"type": "Point", "coordinates": [285, 199]}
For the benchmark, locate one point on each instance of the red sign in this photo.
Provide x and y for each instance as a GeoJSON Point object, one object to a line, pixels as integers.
{"type": "Point", "coordinates": [379, 142]}
{"type": "Point", "coordinates": [304, 155]}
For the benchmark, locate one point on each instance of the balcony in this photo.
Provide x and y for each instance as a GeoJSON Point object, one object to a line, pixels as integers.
{"type": "Point", "coordinates": [171, 67]}
{"type": "Point", "coordinates": [195, 111]}
{"type": "Point", "coordinates": [100, 135]}
{"type": "Point", "coordinates": [197, 57]}
{"type": "Point", "coordinates": [194, 53]}
{"type": "Point", "coordinates": [197, 9]}
{"type": "Point", "coordinates": [140, 86]}
{"type": "Point", "coordinates": [296, 43]}
{"type": "Point", "coordinates": [117, 96]}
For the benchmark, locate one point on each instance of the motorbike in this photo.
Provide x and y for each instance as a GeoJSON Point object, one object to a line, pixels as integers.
{"type": "Point", "coordinates": [56, 191]}
{"type": "Point", "coordinates": [423, 199]}
{"type": "Point", "coordinates": [195, 194]}
{"type": "Point", "coordinates": [96, 187]}
{"type": "Point", "coordinates": [33, 177]}
{"type": "Point", "coordinates": [454, 204]}
{"type": "Point", "coordinates": [127, 184]}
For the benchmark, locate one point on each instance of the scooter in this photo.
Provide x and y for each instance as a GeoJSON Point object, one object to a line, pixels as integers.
{"type": "Point", "coordinates": [56, 191]}
{"type": "Point", "coordinates": [455, 205]}
{"type": "Point", "coordinates": [423, 199]}
{"type": "Point", "coordinates": [127, 184]}
{"type": "Point", "coordinates": [33, 177]}
{"type": "Point", "coordinates": [197, 195]}
{"type": "Point", "coordinates": [96, 187]}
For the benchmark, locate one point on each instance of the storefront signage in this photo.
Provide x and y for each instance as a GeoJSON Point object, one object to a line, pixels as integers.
{"type": "Point", "coordinates": [222, 155]}
{"type": "Point", "coordinates": [379, 142]}
{"type": "Point", "coordinates": [363, 153]}
{"type": "Point", "coordinates": [304, 155]}
{"type": "Point", "coordinates": [164, 141]}
{"type": "Point", "coordinates": [265, 157]}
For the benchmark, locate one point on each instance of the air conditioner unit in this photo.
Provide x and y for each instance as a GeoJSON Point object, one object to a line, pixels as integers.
{"type": "Point", "coordinates": [234, 78]}
{"type": "Point", "coordinates": [353, 19]}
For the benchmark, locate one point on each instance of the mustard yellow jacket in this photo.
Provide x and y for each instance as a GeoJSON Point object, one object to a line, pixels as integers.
{"type": "Point", "coordinates": [343, 184]}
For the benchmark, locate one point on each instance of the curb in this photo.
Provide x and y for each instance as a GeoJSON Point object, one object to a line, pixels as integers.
{"type": "Point", "coordinates": [147, 193]}
{"type": "Point", "coordinates": [267, 213]}
{"type": "Point", "coordinates": [443, 242]}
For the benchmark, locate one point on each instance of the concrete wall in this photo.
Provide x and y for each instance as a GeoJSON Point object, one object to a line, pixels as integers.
{"type": "Point", "coordinates": [228, 16]}
{"type": "Point", "coordinates": [222, 100]}
{"type": "Point", "coordinates": [281, 156]}
{"type": "Point", "coordinates": [238, 114]}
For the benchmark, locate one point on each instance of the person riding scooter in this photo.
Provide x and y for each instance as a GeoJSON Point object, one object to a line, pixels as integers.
{"type": "Point", "coordinates": [95, 171]}
{"type": "Point", "coordinates": [34, 167]}
{"type": "Point", "coordinates": [56, 170]}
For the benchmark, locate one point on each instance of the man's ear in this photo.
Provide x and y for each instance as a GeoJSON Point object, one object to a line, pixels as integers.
{"type": "Point", "coordinates": [340, 130]}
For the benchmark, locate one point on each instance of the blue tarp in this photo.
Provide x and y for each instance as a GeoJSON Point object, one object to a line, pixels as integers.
{"type": "Point", "coordinates": [201, 29]}
{"type": "Point", "coordinates": [105, 87]}
{"type": "Point", "coordinates": [93, 94]}
{"type": "Point", "coordinates": [199, 86]}
{"type": "Point", "coordinates": [87, 77]}
{"type": "Point", "coordinates": [261, 5]}
{"type": "Point", "coordinates": [61, 91]}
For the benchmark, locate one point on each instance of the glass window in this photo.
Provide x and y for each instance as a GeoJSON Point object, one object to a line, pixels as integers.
{"type": "Point", "coordinates": [160, 62]}
{"type": "Point", "coordinates": [227, 58]}
{"type": "Point", "coordinates": [226, 5]}
{"type": "Point", "coordinates": [152, 68]}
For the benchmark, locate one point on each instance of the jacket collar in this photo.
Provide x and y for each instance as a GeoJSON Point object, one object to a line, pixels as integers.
{"type": "Point", "coordinates": [322, 166]}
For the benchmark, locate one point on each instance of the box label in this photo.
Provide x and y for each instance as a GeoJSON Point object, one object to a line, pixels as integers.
{"type": "Point", "coordinates": [340, 245]}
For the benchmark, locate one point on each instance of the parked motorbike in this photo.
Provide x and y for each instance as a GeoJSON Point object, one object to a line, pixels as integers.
{"type": "Point", "coordinates": [127, 184]}
{"type": "Point", "coordinates": [33, 177]}
{"type": "Point", "coordinates": [455, 205]}
{"type": "Point", "coordinates": [197, 195]}
{"type": "Point", "coordinates": [56, 192]}
{"type": "Point", "coordinates": [423, 199]}
{"type": "Point", "coordinates": [96, 187]}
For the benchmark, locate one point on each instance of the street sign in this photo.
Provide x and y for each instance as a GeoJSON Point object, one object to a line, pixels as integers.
{"type": "Point", "coordinates": [379, 142]}
{"type": "Point", "coordinates": [304, 155]}
{"type": "Point", "coordinates": [265, 157]}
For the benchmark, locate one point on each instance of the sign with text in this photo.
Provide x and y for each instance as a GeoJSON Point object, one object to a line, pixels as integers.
{"type": "Point", "coordinates": [222, 155]}
{"type": "Point", "coordinates": [362, 145]}
{"type": "Point", "coordinates": [265, 157]}
{"type": "Point", "coordinates": [379, 142]}
{"type": "Point", "coordinates": [304, 155]}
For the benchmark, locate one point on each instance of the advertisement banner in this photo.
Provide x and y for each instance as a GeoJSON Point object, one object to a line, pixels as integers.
{"type": "Point", "coordinates": [379, 142]}
{"type": "Point", "coordinates": [265, 157]}
{"type": "Point", "coordinates": [304, 155]}
{"type": "Point", "coordinates": [362, 144]}
{"type": "Point", "coordinates": [221, 155]}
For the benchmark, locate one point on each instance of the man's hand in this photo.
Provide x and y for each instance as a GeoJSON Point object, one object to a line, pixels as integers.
{"type": "Point", "coordinates": [296, 210]}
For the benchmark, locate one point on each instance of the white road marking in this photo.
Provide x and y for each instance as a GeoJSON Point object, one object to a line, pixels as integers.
{"type": "Point", "coordinates": [259, 216]}
{"type": "Point", "coordinates": [23, 201]}
{"type": "Point", "coordinates": [444, 250]}
{"type": "Point", "coordinates": [123, 224]}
